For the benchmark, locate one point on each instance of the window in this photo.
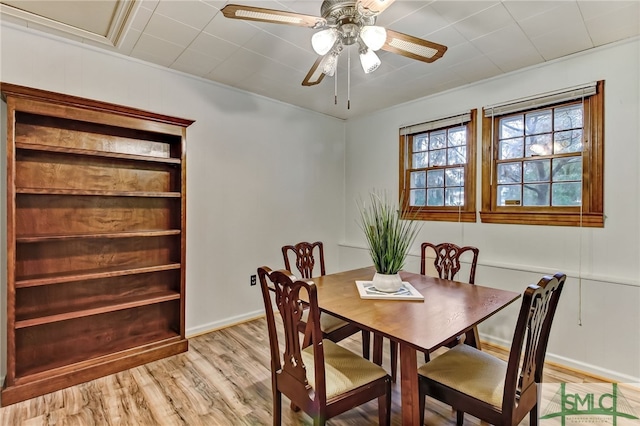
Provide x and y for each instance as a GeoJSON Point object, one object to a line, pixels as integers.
{"type": "Point", "coordinates": [437, 169]}
{"type": "Point", "coordinates": [543, 160]}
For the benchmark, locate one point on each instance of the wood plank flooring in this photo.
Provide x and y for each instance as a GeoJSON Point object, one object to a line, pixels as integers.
{"type": "Point", "coordinates": [223, 379]}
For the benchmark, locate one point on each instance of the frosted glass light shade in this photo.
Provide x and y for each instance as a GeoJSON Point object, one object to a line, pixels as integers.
{"type": "Point", "coordinates": [373, 36]}
{"type": "Point", "coordinates": [370, 61]}
{"type": "Point", "coordinates": [323, 41]}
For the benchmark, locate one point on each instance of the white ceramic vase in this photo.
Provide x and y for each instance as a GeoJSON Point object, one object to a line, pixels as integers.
{"type": "Point", "coordinates": [387, 283]}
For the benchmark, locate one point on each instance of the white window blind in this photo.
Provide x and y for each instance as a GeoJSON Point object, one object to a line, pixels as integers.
{"type": "Point", "coordinates": [538, 101]}
{"type": "Point", "coordinates": [436, 124]}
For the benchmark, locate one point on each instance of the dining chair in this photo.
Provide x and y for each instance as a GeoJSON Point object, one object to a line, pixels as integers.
{"type": "Point", "coordinates": [447, 264]}
{"type": "Point", "coordinates": [323, 379]}
{"type": "Point", "coordinates": [333, 328]}
{"type": "Point", "coordinates": [496, 391]}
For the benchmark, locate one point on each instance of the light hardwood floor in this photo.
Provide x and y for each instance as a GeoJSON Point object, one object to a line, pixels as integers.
{"type": "Point", "coordinates": [223, 379]}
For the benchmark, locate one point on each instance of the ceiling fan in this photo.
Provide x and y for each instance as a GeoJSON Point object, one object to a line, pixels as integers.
{"type": "Point", "coordinates": [344, 23]}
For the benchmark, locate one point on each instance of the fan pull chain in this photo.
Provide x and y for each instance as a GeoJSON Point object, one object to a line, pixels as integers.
{"type": "Point", "coordinates": [335, 86]}
{"type": "Point", "coordinates": [349, 80]}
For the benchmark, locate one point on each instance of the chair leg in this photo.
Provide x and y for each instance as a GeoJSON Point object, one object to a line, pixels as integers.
{"type": "Point", "coordinates": [533, 416]}
{"type": "Point", "coordinates": [422, 402]}
{"type": "Point", "coordinates": [459, 418]}
{"type": "Point", "coordinates": [277, 408]}
{"type": "Point", "coordinates": [393, 348]}
{"type": "Point", "coordinates": [366, 344]}
{"type": "Point", "coordinates": [384, 406]}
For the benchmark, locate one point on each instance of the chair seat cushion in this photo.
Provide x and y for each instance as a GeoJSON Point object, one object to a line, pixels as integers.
{"type": "Point", "coordinates": [344, 370]}
{"type": "Point", "coordinates": [328, 323]}
{"type": "Point", "coordinates": [469, 371]}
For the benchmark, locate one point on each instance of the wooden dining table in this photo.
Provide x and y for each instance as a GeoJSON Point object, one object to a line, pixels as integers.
{"type": "Point", "coordinates": [449, 308]}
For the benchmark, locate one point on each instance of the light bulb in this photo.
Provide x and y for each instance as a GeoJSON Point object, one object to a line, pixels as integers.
{"type": "Point", "coordinates": [323, 41]}
{"type": "Point", "coordinates": [373, 36]}
{"type": "Point", "coordinates": [329, 63]}
{"type": "Point", "coordinates": [369, 60]}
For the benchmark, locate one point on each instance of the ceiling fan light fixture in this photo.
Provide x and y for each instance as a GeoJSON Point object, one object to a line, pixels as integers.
{"type": "Point", "coordinates": [373, 36]}
{"type": "Point", "coordinates": [369, 60]}
{"type": "Point", "coordinates": [323, 41]}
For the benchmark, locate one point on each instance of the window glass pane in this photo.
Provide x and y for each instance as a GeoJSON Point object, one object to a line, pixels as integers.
{"type": "Point", "coordinates": [537, 145]}
{"type": "Point", "coordinates": [566, 194]}
{"type": "Point", "coordinates": [568, 168]}
{"type": "Point", "coordinates": [435, 197]}
{"type": "Point", "coordinates": [569, 141]}
{"type": "Point", "coordinates": [437, 157]}
{"type": "Point", "coordinates": [454, 177]}
{"type": "Point", "coordinates": [509, 194]}
{"type": "Point", "coordinates": [418, 179]}
{"type": "Point", "coordinates": [417, 197]}
{"type": "Point", "coordinates": [536, 194]}
{"type": "Point", "coordinates": [457, 136]}
{"type": "Point", "coordinates": [420, 142]}
{"type": "Point", "coordinates": [457, 155]}
{"type": "Point", "coordinates": [437, 139]}
{"type": "Point", "coordinates": [537, 171]}
{"type": "Point", "coordinates": [435, 178]}
{"type": "Point", "coordinates": [454, 196]}
{"type": "Point", "coordinates": [419, 160]}
{"type": "Point", "coordinates": [511, 127]}
{"type": "Point", "coordinates": [538, 122]}
{"type": "Point", "coordinates": [509, 172]}
{"type": "Point", "coordinates": [511, 148]}
{"type": "Point", "coordinates": [569, 117]}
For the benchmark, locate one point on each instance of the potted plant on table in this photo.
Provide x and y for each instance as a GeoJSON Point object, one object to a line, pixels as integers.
{"type": "Point", "coordinates": [389, 238]}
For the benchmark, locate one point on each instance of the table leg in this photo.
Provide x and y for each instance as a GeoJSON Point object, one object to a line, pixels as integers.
{"type": "Point", "coordinates": [409, 385]}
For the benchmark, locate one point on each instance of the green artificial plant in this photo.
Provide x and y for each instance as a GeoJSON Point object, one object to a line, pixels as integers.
{"type": "Point", "coordinates": [389, 236]}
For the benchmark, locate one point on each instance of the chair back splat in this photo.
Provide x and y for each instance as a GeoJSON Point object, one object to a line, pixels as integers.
{"type": "Point", "coordinates": [447, 259]}
{"type": "Point", "coordinates": [539, 303]}
{"type": "Point", "coordinates": [300, 372]}
{"type": "Point", "coordinates": [305, 259]}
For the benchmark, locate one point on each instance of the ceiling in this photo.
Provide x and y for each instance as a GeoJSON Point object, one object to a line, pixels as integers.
{"type": "Point", "coordinates": [485, 39]}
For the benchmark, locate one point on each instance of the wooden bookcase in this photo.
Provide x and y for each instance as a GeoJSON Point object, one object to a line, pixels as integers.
{"type": "Point", "coordinates": [95, 239]}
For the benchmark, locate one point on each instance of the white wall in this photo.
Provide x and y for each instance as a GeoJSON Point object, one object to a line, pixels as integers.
{"type": "Point", "coordinates": [512, 256]}
{"type": "Point", "coordinates": [260, 173]}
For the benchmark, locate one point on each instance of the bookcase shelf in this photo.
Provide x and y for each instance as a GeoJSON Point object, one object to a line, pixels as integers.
{"type": "Point", "coordinates": [96, 208]}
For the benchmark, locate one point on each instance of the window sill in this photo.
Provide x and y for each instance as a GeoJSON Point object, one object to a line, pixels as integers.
{"type": "Point", "coordinates": [590, 220]}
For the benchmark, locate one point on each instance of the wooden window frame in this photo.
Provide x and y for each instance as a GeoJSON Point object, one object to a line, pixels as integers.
{"type": "Point", "coordinates": [590, 214]}
{"type": "Point", "coordinates": [465, 213]}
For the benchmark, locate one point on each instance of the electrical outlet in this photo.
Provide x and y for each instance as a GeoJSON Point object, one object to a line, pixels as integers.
{"type": "Point", "coordinates": [253, 280]}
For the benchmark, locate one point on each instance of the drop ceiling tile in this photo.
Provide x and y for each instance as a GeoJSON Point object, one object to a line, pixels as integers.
{"type": "Point", "coordinates": [617, 24]}
{"type": "Point", "coordinates": [478, 68]}
{"type": "Point", "coordinates": [231, 72]}
{"type": "Point", "coordinates": [484, 22]}
{"type": "Point", "coordinates": [454, 11]}
{"type": "Point", "coordinates": [233, 30]}
{"type": "Point", "coordinates": [566, 14]}
{"type": "Point", "coordinates": [573, 39]}
{"type": "Point", "coordinates": [163, 51]}
{"type": "Point", "coordinates": [165, 28]}
{"type": "Point", "coordinates": [129, 41]}
{"type": "Point", "coordinates": [521, 10]}
{"type": "Point", "coordinates": [423, 22]}
{"type": "Point", "coordinates": [149, 4]}
{"type": "Point", "coordinates": [593, 9]}
{"type": "Point", "coordinates": [196, 14]}
{"type": "Point", "coordinates": [218, 4]}
{"type": "Point", "coordinates": [141, 18]}
{"type": "Point", "coordinates": [196, 63]}
{"type": "Point", "coordinates": [510, 39]}
{"type": "Point", "coordinates": [511, 60]}
{"type": "Point", "coordinates": [207, 44]}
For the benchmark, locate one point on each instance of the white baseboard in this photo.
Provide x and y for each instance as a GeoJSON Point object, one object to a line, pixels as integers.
{"type": "Point", "coordinates": [227, 322]}
{"type": "Point", "coordinates": [603, 373]}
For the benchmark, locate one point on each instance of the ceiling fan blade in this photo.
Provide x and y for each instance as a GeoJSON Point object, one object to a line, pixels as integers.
{"type": "Point", "coordinates": [315, 72]}
{"type": "Point", "coordinates": [250, 13]}
{"type": "Point", "coordinates": [413, 47]}
{"type": "Point", "coordinates": [375, 6]}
